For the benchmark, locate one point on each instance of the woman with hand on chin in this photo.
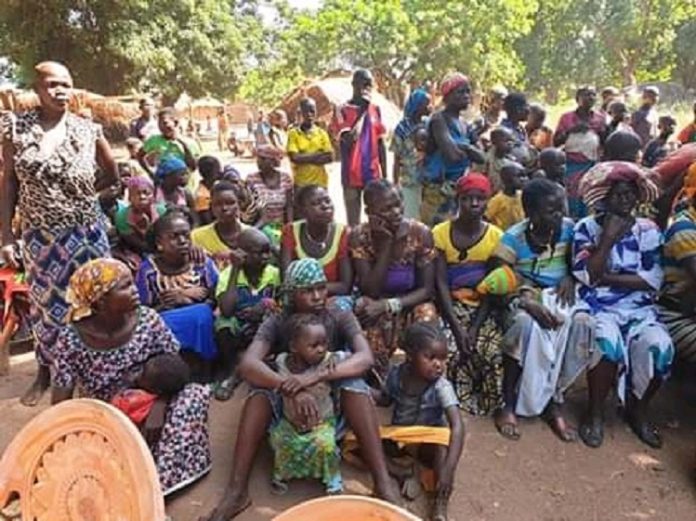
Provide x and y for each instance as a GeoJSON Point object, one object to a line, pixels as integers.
{"type": "Point", "coordinates": [50, 179]}
{"type": "Point", "coordinates": [393, 262]}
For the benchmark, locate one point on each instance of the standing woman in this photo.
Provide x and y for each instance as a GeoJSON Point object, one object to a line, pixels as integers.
{"type": "Point", "coordinates": [581, 133]}
{"type": "Point", "coordinates": [393, 261]}
{"type": "Point", "coordinates": [449, 151]}
{"type": "Point", "coordinates": [51, 158]}
{"type": "Point", "coordinates": [274, 190]}
{"type": "Point", "coordinates": [406, 171]}
{"type": "Point", "coordinates": [465, 246]}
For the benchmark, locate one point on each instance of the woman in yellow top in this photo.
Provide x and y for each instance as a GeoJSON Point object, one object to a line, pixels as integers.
{"type": "Point", "coordinates": [219, 238]}
{"type": "Point", "coordinates": [466, 245]}
{"type": "Point", "coordinates": [309, 148]}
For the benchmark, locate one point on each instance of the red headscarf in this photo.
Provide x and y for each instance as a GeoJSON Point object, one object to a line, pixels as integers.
{"type": "Point", "coordinates": [473, 181]}
{"type": "Point", "coordinates": [451, 82]}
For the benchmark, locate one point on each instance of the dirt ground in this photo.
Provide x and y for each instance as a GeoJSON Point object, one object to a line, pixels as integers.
{"type": "Point", "coordinates": [535, 479]}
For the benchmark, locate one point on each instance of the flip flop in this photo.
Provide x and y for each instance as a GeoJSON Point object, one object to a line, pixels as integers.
{"type": "Point", "coordinates": [507, 429]}
{"type": "Point", "coordinates": [224, 390]}
{"type": "Point", "coordinates": [278, 487]}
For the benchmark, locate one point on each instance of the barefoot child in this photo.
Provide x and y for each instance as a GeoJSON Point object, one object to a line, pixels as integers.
{"type": "Point", "coordinates": [246, 292]}
{"type": "Point", "coordinates": [423, 397]}
{"type": "Point", "coordinates": [302, 448]}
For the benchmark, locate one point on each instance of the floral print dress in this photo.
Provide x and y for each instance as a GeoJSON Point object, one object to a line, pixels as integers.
{"type": "Point", "coordinates": [182, 453]}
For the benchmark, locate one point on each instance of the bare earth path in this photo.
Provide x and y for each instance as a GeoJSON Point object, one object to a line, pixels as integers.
{"type": "Point", "coordinates": [536, 479]}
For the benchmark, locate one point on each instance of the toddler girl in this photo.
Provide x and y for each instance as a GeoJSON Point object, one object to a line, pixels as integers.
{"type": "Point", "coordinates": [303, 449]}
{"type": "Point", "coordinates": [423, 397]}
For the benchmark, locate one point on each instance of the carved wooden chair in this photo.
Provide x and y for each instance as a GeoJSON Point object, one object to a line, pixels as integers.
{"type": "Point", "coordinates": [346, 508]}
{"type": "Point", "coordinates": [81, 460]}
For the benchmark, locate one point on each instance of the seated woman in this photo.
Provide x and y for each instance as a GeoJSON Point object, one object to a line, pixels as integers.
{"type": "Point", "coordinates": [318, 236]}
{"type": "Point", "coordinates": [393, 260]}
{"type": "Point", "coordinates": [465, 246]}
{"type": "Point", "coordinates": [274, 189]}
{"type": "Point", "coordinates": [219, 239]}
{"type": "Point", "coordinates": [617, 259]}
{"type": "Point", "coordinates": [542, 321]}
{"type": "Point", "coordinates": [678, 299]}
{"type": "Point", "coordinates": [180, 288]}
{"type": "Point", "coordinates": [111, 337]}
{"type": "Point", "coordinates": [305, 285]}
{"type": "Point", "coordinates": [133, 221]}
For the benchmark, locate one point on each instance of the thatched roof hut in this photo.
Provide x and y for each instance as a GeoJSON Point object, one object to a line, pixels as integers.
{"type": "Point", "coordinates": [331, 92]}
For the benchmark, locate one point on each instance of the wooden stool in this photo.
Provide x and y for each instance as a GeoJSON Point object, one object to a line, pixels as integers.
{"type": "Point", "coordinates": [81, 460]}
{"type": "Point", "coordinates": [346, 508]}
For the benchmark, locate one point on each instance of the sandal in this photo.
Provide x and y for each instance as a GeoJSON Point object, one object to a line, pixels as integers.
{"type": "Point", "coordinates": [278, 487]}
{"type": "Point", "coordinates": [592, 433]}
{"type": "Point", "coordinates": [507, 428]}
{"type": "Point", "coordinates": [224, 390]}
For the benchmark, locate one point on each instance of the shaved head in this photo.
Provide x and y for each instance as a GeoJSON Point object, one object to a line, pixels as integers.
{"type": "Point", "coordinates": [49, 68]}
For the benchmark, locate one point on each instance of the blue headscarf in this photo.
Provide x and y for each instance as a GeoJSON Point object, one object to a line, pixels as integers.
{"type": "Point", "coordinates": [169, 165]}
{"type": "Point", "coordinates": [416, 100]}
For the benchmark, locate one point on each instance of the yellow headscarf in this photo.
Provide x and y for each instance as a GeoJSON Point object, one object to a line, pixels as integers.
{"type": "Point", "coordinates": [689, 188]}
{"type": "Point", "coordinates": [91, 282]}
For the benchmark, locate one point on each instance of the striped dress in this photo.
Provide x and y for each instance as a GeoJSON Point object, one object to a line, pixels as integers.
{"type": "Point", "coordinates": [677, 308]}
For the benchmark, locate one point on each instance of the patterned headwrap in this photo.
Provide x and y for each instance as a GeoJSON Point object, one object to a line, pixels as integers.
{"type": "Point", "coordinates": [91, 282]}
{"type": "Point", "coordinates": [304, 273]}
{"type": "Point", "coordinates": [597, 182]}
{"type": "Point", "coordinates": [140, 181]}
{"type": "Point", "coordinates": [474, 181]}
{"type": "Point", "coordinates": [416, 101]}
{"type": "Point", "coordinates": [230, 173]}
{"type": "Point", "coordinates": [452, 82]}
{"type": "Point", "coordinates": [169, 165]}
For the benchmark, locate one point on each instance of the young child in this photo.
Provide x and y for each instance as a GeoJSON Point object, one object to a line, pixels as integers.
{"type": "Point", "coordinates": [171, 178]}
{"type": "Point", "coordinates": [133, 221]}
{"type": "Point", "coordinates": [303, 450]}
{"type": "Point", "coordinates": [161, 377]}
{"type": "Point", "coordinates": [553, 162]}
{"type": "Point", "coordinates": [620, 117]}
{"type": "Point", "coordinates": [540, 136]}
{"type": "Point", "coordinates": [505, 207]}
{"type": "Point", "coordinates": [688, 133]}
{"type": "Point", "coordinates": [502, 142]}
{"type": "Point", "coordinates": [422, 396]}
{"type": "Point", "coordinates": [658, 148]}
{"type": "Point", "coordinates": [246, 292]}
{"type": "Point", "coordinates": [134, 146]}
{"type": "Point", "coordinates": [210, 169]}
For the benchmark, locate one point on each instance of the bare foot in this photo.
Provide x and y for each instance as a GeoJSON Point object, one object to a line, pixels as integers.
{"type": "Point", "coordinates": [506, 423]}
{"type": "Point", "coordinates": [40, 385]}
{"type": "Point", "coordinates": [388, 492]}
{"type": "Point", "coordinates": [229, 508]}
{"type": "Point", "coordinates": [559, 426]}
{"type": "Point", "coordinates": [440, 509]}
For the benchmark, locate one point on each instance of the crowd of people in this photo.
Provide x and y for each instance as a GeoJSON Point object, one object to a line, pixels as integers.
{"type": "Point", "coordinates": [504, 261]}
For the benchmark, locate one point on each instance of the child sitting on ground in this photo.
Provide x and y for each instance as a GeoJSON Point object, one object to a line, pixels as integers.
{"type": "Point", "coordinates": [302, 449]}
{"type": "Point", "coordinates": [133, 221]}
{"type": "Point", "coordinates": [505, 207]}
{"type": "Point", "coordinates": [422, 396]}
{"type": "Point", "coordinates": [210, 169]}
{"type": "Point", "coordinates": [246, 292]}
{"type": "Point", "coordinates": [658, 148]}
{"type": "Point", "coordinates": [158, 379]}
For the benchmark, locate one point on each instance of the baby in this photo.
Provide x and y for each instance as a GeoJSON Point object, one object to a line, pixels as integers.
{"type": "Point", "coordinates": [305, 449]}
{"type": "Point", "coordinates": [162, 376]}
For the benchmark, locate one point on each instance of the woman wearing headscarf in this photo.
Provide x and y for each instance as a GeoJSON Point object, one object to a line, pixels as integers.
{"type": "Point", "coordinates": [50, 179]}
{"type": "Point", "coordinates": [406, 164]}
{"type": "Point", "coordinates": [465, 246]}
{"type": "Point", "coordinates": [678, 298]}
{"type": "Point", "coordinates": [110, 339]}
{"type": "Point", "coordinates": [617, 259]}
{"type": "Point", "coordinates": [305, 292]}
{"type": "Point", "coordinates": [449, 151]}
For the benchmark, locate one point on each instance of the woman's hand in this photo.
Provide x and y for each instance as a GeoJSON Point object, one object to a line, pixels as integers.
{"type": "Point", "coordinates": [198, 255]}
{"type": "Point", "coordinates": [293, 384]}
{"type": "Point", "coordinates": [461, 338]}
{"type": "Point", "coordinates": [369, 311]}
{"type": "Point", "coordinates": [541, 314]}
{"type": "Point", "coordinates": [565, 293]}
{"type": "Point", "coordinates": [444, 482]}
{"type": "Point", "coordinates": [173, 299]}
{"type": "Point", "coordinates": [237, 256]}
{"type": "Point", "coordinates": [9, 254]}
{"type": "Point", "coordinates": [152, 429]}
{"type": "Point", "coordinates": [196, 294]}
{"type": "Point", "coordinates": [380, 228]}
